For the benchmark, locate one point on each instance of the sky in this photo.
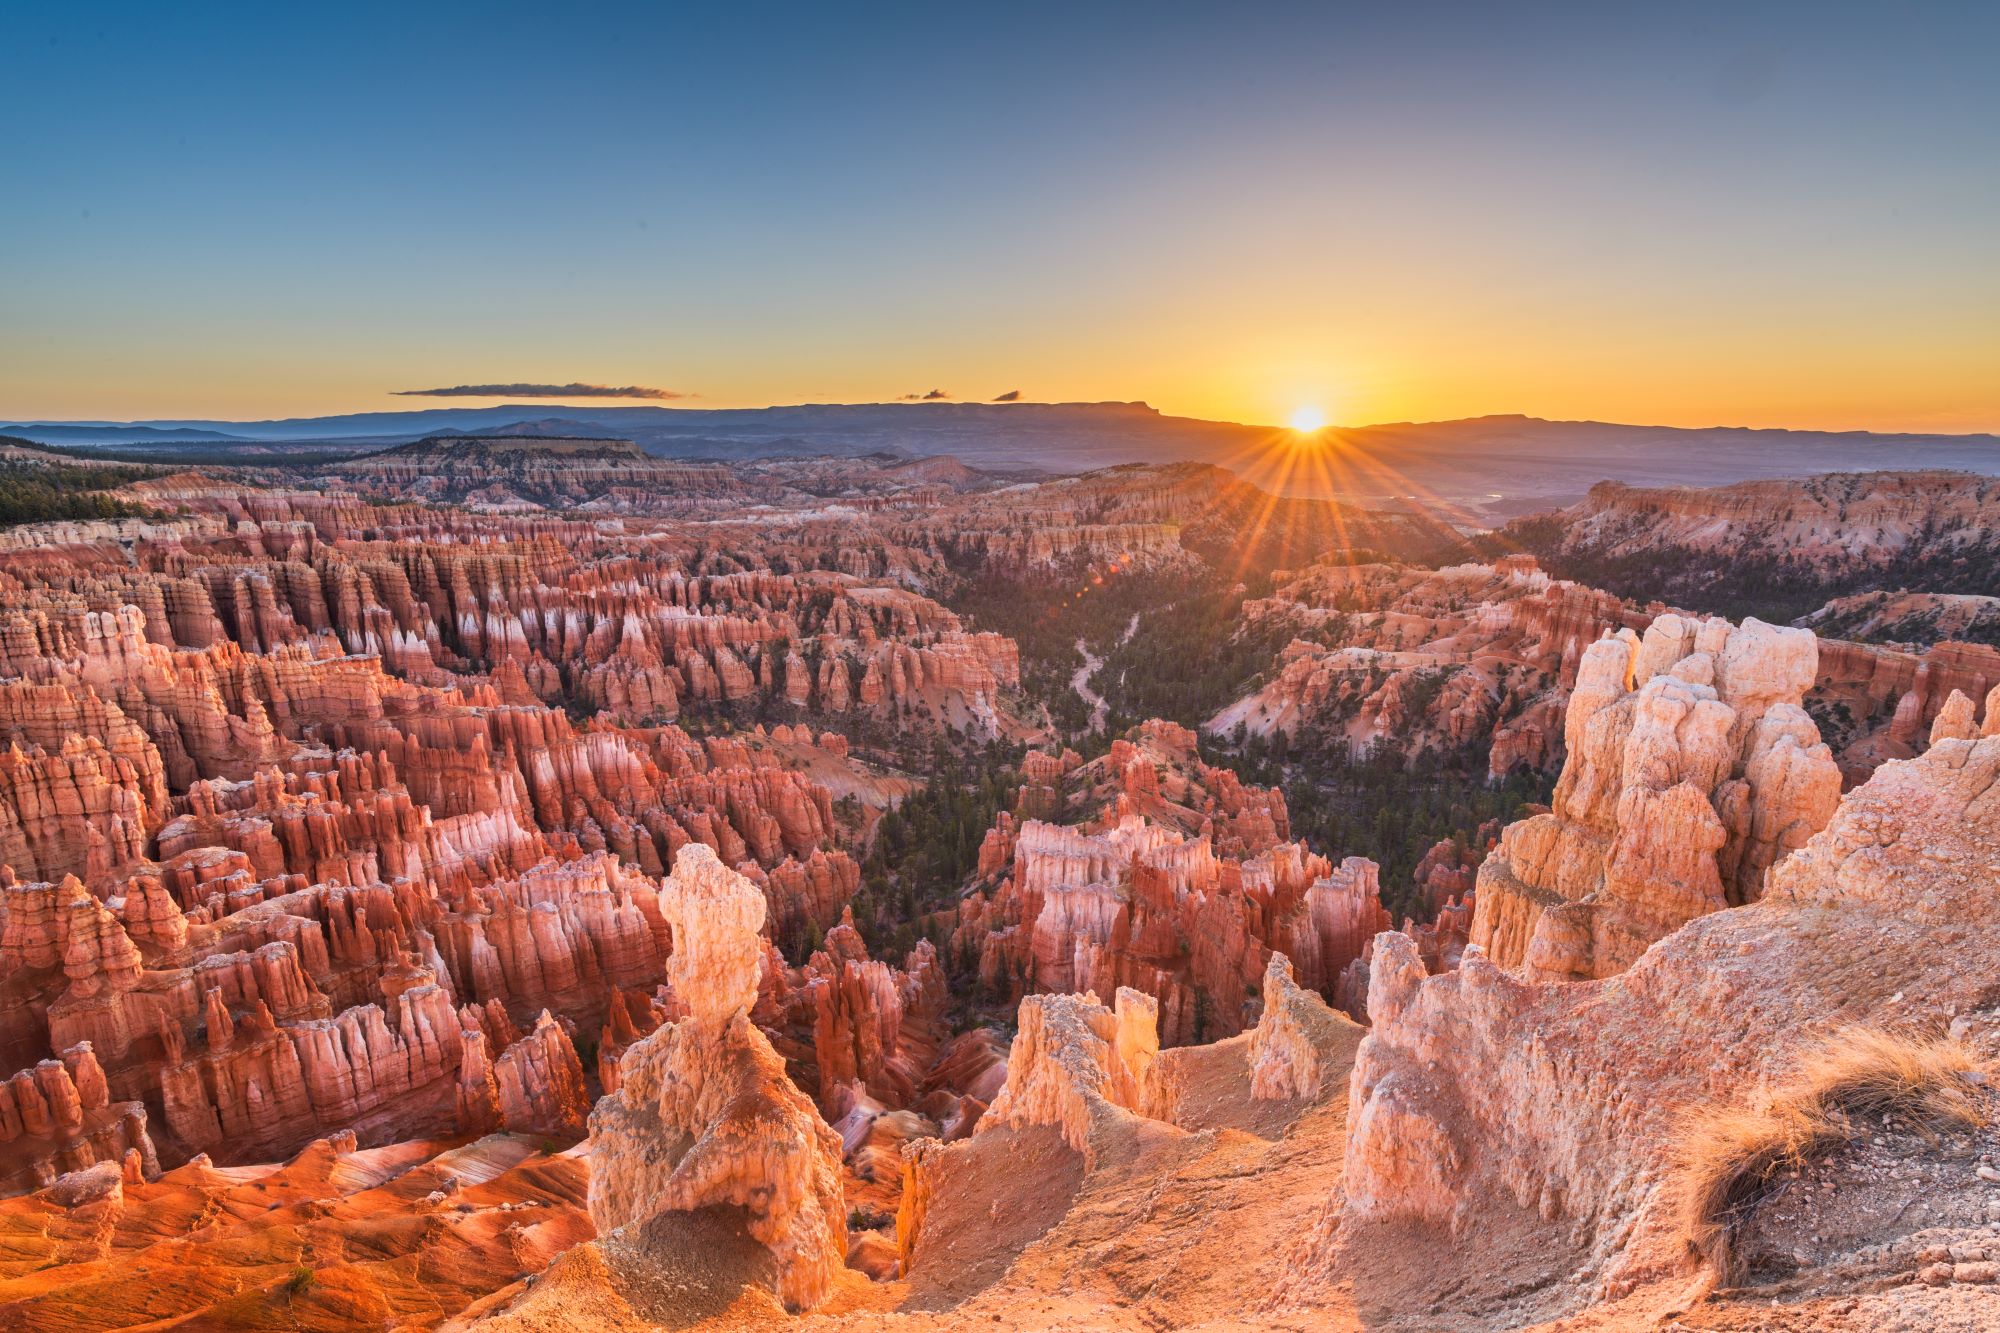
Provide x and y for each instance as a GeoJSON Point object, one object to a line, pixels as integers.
{"type": "Point", "coordinates": [1742, 214]}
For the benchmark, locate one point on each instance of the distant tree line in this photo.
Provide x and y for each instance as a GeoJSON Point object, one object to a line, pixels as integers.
{"type": "Point", "coordinates": [35, 492]}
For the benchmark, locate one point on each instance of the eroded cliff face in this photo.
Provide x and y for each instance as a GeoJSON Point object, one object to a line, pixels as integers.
{"type": "Point", "coordinates": [1143, 906]}
{"type": "Point", "coordinates": [1566, 1097]}
{"type": "Point", "coordinates": [1180, 882]}
{"type": "Point", "coordinates": [1483, 658]}
{"type": "Point", "coordinates": [1838, 524]}
{"type": "Point", "coordinates": [302, 835]}
{"type": "Point", "coordinates": [1471, 656]}
{"type": "Point", "coordinates": [1692, 769]}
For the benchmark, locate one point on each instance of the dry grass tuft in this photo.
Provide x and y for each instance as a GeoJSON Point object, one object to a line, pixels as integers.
{"type": "Point", "coordinates": [1729, 1158]}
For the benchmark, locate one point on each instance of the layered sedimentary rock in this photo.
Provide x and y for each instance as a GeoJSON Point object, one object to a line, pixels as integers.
{"type": "Point", "coordinates": [1470, 656]}
{"type": "Point", "coordinates": [1918, 618]}
{"type": "Point", "coordinates": [303, 834]}
{"type": "Point", "coordinates": [704, 1114]}
{"type": "Point", "coordinates": [1175, 514]}
{"type": "Point", "coordinates": [1692, 769]}
{"type": "Point", "coordinates": [1076, 1064]}
{"type": "Point", "coordinates": [58, 1117]}
{"type": "Point", "coordinates": [522, 474]}
{"type": "Point", "coordinates": [1568, 1098]}
{"type": "Point", "coordinates": [1286, 1044]}
{"type": "Point", "coordinates": [1837, 526]}
{"type": "Point", "coordinates": [1140, 905]}
{"type": "Point", "coordinates": [1483, 658]}
{"type": "Point", "coordinates": [1881, 702]}
{"type": "Point", "coordinates": [1179, 882]}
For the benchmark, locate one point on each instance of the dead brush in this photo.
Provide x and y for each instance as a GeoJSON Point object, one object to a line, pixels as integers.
{"type": "Point", "coordinates": [1728, 1159]}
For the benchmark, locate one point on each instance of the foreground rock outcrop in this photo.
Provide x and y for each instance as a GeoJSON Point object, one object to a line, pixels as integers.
{"type": "Point", "coordinates": [704, 1116]}
{"type": "Point", "coordinates": [1564, 1098]}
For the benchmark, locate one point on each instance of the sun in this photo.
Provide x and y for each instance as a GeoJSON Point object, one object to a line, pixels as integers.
{"type": "Point", "coordinates": [1307, 418]}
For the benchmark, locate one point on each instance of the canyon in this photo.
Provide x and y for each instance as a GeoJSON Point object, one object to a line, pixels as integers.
{"type": "Point", "coordinates": [514, 882]}
{"type": "Point", "coordinates": [1484, 657]}
{"type": "Point", "coordinates": [1777, 548]}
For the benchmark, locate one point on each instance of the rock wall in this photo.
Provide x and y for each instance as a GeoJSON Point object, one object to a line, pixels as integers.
{"type": "Point", "coordinates": [1692, 768]}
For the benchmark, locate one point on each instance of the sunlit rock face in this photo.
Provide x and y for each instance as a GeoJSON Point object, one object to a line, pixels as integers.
{"type": "Point", "coordinates": [1837, 524]}
{"type": "Point", "coordinates": [1692, 769]}
{"type": "Point", "coordinates": [1565, 1097]}
{"type": "Point", "coordinates": [704, 1114]}
{"type": "Point", "coordinates": [1143, 906]}
{"type": "Point", "coordinates": [1179, 882]}
{"type": "Point", "coordinates": [1482, 658]}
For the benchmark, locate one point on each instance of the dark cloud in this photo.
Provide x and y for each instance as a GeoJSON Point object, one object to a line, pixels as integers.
{"type": "Point", "coordinates": [541, 391]}
{"type": "Point", "coordinates": [1011, 396]}
{"type": "Point", "coordinates": [933, 396]}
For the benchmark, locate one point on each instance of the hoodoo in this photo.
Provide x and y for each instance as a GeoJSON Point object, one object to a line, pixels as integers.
{"type": "Point", "coordinates": [1692, 769]}
{"type": "Point", "coordinates": [704, 1119]}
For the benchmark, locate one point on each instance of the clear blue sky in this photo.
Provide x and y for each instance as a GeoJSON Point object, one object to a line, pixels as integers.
{"type": "Point", "coordinates": [1780, 214]}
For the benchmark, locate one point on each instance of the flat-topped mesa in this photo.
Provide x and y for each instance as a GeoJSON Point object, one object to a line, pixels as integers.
{"type": "Point", "coordinates": [704, 1114]}
{"type": "Point", "coordinates": [1692, 768]}
{"type": "Point", "coordinates": [1476, 1089]}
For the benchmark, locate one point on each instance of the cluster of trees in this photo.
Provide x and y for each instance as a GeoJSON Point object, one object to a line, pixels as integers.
{"type": "Point", "coordinates": [1048, 614]}
{"type": "Point", "coordinates": [1172, 642]}
{"type": "Point", "coordinates": [1384, 805]}
{"type": "Point", "coordinates": [34, 492]}
{"type": "Point", "coordinates": [1189, 657]}
{"type": "Point", "coordinates": [927, 846]}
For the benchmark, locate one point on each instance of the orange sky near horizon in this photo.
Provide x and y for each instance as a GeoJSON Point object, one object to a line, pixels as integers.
{"type": "Point", "coordinates": [1774, 216]}
{"type": "Point", "coordinates": [1942, 382]}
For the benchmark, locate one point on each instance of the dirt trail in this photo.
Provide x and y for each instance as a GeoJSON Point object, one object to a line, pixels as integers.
{"type": "Point", "coordinates": [1080, 682]}
{"type": "Point", "coordinates": [1100, 711]}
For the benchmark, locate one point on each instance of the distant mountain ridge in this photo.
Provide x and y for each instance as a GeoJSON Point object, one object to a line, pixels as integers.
{"type": "Point", "coordinates": [1483, 469]}
{"type": "Point", "coordinates": [112, 433]}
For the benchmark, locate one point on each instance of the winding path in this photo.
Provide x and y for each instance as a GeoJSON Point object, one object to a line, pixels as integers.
{"type": "Point", "coordinates": [1080, 682]}
{"type": "Point", "coordinates": [1080, 679]}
